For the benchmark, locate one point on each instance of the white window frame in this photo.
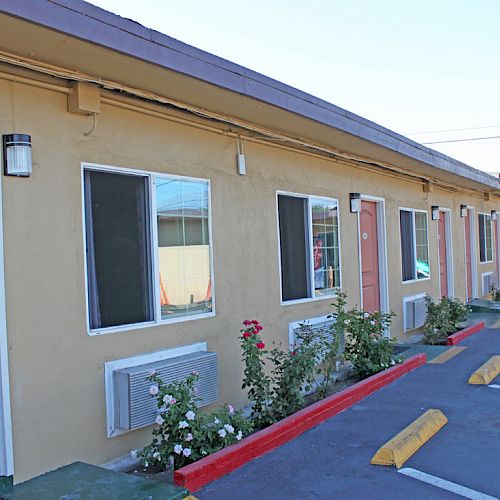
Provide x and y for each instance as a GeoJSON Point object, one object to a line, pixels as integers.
{"type": "Point", "coordinates": [151, 179]}
{"type": "Point", "coordinates": [413, 211]}
{"type": "Point", "coordinates": [307, 197]}
{"type": "Point", "coordinates": [485, 214]}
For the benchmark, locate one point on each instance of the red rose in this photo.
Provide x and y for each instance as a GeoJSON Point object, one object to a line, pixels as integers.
{"type": "Point", "coordinates": [246, 335]}
{"type": "Point", "coordinates": [255, 322]}
{"type": "Point", "coordinates": [294, 353]}
{"type": "Point", "coordinates": [247, 322]}
{"type": "Point", "coordinates": [260, 345]}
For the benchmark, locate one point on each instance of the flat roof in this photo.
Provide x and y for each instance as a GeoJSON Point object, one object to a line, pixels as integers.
{"type": "Point", "coordinates": [87, 22]}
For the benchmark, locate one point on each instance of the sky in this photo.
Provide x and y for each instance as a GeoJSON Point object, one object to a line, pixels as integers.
{"type": "Point", "coordinates": [427, 69]}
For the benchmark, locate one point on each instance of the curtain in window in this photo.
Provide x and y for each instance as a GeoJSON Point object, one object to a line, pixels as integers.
{"type": "Point", "coordinates": [92, 291]}
{"type": "Point", "coordinates": [292, 213]}
{"type": "Point", "coordinates": [407, 247]}
{"type": "Point", "coordinates": [118, 250]}
{"type": "Point", "coordinates": [482, 239]}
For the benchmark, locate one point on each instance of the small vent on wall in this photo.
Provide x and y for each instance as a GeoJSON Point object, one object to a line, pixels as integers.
{"type": "Point", "coordinates": [489, 280]}
{"type": "Point", "coordinates": [135, 407]}
{"type": "Point", "coordinates": [321, 327]}
{"type": "Point", "coordinates": [415, 312]}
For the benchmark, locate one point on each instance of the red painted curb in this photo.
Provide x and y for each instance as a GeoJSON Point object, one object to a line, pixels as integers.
{"type": "Point", "coordinates": [206, 470]}
{"type": "Point", "coordinates": [466, 332]}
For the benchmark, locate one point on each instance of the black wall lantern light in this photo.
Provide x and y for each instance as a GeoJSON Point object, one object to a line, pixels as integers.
{"type": "Point", "coordinates": [435, 212]}
{"type": "Point", "coordinates": [463, 210]}
{"type": "Point", "coordinates": [16, 154]}
{"type": "Point", "coordinates": [355, 199]}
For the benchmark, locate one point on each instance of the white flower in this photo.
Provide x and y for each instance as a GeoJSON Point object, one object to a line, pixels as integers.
{"type": "Point", "coordinates": [229, 428]}
{"type": "Point", "coordinates": [146, 463]}
{"type": "Point", "coordinates": [372, 322]}
{"type": "Point", "coordinates": [183, 424]}
{"type": "Point", "coordinates": [133, 453]}
{"type": "Point", "coordinates": [216, 421]}
{"type": "Point", "coordinates": [168, 398]}
{"type": "Point", "coordinates": [178, 449]}
{"type": "Point", "coordinates": [393, 362]}
{"type": "Point", "coordinates": [366, 315]}
{"type": "Point", "coordinates": [153, 390]}
{"type": "Point", "coordinates": [239, 436]}
{"type": "Point", "coordinates": [190, 415]}
{"type": "Point", "coordinates": [156, 455]}
{"type": "Point", "coordinates": [159, 420]}
{"type": "Point", "coordinates": [152, 373]}
{"type": "Point", "coordinates": [186, 452]}
{"type": "Point", "coordinates": [222, 433]}
{"type": "Point", "coordinates": [195, 373]}
{"type": "Point", "coordinates": [189, 437]}
{"type": "Point", "coordinates": [230, 409]}
{"type": "Point", "coordinates": [203, 452]}
{"type": "Point", "coordinates": [346, 322]}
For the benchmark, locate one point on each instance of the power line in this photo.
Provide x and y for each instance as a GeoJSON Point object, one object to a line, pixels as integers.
{"type": "Point", "coordinates": [464, 140]}
{"type": "Point", "coordinates": [452, 130]}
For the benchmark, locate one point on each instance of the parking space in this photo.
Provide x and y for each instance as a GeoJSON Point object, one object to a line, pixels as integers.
{"type": "Point", "coordinates": [333, 459]}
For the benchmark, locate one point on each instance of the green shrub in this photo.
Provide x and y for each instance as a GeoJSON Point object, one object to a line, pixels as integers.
{"type": "Point", "coordinates": [366, 346]}
{"type": "Point", "coordinates": [280, 393]}
{"type": "Point", "coordinates": [443, 319]}
{"type": "Point", "coordinates": [183, 434]}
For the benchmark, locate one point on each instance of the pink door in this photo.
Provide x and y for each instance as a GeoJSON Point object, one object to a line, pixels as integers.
{"type": "Point", "coordinates": [495, 228]}
{"type": "Point", "coordinates": [468, 261]}
{"type": "Point", "coordinates": [443, 266]}
{"type": "Point", "coordinates": [369, 256]}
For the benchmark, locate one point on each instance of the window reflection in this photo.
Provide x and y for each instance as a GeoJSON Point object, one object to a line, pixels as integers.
{"type": "Point", "coordinates": [325, 246]}
{"type": "Point", "coordinates": [184, 251]}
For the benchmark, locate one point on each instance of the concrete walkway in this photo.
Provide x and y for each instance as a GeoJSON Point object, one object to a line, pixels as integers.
{"type": "Point", "coordinates": [333, 459]}
{"type": "Point", "coordinates": [80, 481]}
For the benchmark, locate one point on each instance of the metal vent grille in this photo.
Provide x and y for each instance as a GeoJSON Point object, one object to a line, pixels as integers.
{"type": "Point", "coordinates": [489, 280]}
{"type": "Point", "coordinates": [415, 313]}
{"type": "Point", "coordinates": [323, 329]}
{"type": "Point", "coordinates": [137, 408]}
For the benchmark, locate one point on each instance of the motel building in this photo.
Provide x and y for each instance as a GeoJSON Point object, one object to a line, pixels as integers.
{"type": "Point", "coordinates": [154, 196]}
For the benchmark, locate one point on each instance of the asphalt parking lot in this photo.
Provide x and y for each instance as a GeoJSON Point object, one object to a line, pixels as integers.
{"type": "Point", "coordinates": [333, 459]}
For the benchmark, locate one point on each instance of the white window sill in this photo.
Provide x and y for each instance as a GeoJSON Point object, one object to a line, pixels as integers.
{"type": "Point", "coordinates": [308, 299]}
{"type": "Point", "coordinates": [149, 324]}
{"type": "Point", "coordinates": [416, 280]}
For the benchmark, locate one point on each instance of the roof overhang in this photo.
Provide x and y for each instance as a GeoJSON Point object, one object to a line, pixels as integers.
{"type": "Point", "coordinates": [81, 37]}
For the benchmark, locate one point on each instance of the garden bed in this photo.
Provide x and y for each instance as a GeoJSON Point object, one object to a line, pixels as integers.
{"type": "Point", "coordinates": [196, 475]}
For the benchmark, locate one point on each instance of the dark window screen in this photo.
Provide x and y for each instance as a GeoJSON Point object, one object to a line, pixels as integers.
{"type": "Point", "coordinates": [118, 255]}
{"type": "Point", "coordinates": [407, 248]}
{"type": "Point", "coordinates": [294, 254]}
{"type": "Point", "coordinates": [482, 246]}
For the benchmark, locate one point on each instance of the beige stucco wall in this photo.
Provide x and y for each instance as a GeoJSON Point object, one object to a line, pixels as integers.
{"type": "Point", "coordinates": [56, 368]}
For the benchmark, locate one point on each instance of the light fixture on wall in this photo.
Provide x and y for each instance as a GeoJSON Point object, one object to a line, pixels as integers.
{"type": "Point", "coordinates": [435, 212]}
{"type": "Point", "coordinates": [493, 215]}
{"type": "Point", "coordinates": [463, 210]}
{"type": "Point", "coordinates": [355, 199]}
{"type": "Point", "coordinates": [17, 155]}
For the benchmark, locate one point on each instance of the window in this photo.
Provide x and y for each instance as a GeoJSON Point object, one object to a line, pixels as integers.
{"type": "Point", "coordinates": [485, 238]}
{"type": "Point", "coordinates": [148, 249]}
{"type": "Point", "coordinates": [414, 244]}
{"type": "Point", "coordinates": [309, 247]}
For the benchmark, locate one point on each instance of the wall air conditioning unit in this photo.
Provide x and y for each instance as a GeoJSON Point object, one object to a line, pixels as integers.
{"type": "Point", "coordinates": [129, 403]}
{"type": "Point", "coordinates": [414, 312]}
{"type": "Point", "coordinates": [488, 280]}
{"type": "Point", "coordinates": [321, 326]}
